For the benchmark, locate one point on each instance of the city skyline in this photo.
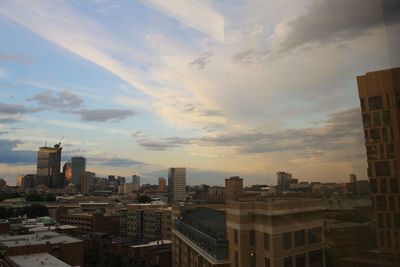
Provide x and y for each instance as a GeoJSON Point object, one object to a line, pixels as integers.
{"type": "Point", "coordinates": [139, 86]}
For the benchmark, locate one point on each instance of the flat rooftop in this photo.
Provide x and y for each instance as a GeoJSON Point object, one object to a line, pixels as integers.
{"type": "Point", "coordinates": [36, 239]}
{"type": "Point", "coordinates": [154, 243]}
{"type": "Point", "coordinates": [37, 260]}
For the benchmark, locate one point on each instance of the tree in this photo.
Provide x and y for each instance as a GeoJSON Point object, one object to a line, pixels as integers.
{"type": "Point", "coordinates": [34, 198]}
{"type": "Point", "coordinates": [36, 210]}
{"type": "Point", "coordinates": [144, 199]}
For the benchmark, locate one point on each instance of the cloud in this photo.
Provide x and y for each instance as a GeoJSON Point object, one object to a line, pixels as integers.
{"type": "Point", "coordinates": [11, 113]}
{"type": "Point", "coordinates": [101, 115]}
{"type": "Point", "coordinates": [115, 161]}
{"type": "Point", "coordinates": [64, 100]}
{"type": "Point", "coordinates": [325, 21]}
{"type": "Point", "coordinates": [341, 131]}
{"type": "Point", "coordinates": [201, 61]}
{"type": "Point", "coordinates": [163, 144]}
{"type": "Point", "coordinates": [195, 14]}
{"type": "Point", "coordinates": [8, 154]}
{"type": "Point", "coordinates": [18, 58]}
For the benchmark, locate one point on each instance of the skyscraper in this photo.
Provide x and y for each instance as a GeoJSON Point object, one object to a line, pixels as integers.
{"type": "Point", "coordinates": [78, 170]}
{"type": "Point", "coordinates": [379, 93]}
{"type": "Point", "coordinates": [177, 184]}
{"type": "Point", "coordinates": [67, 171]}
{"type": "Point", "coordinates": [136, 182]}
{"type": "Point", "coordinates": [283, 179]}
{"type": "Point", "coordinates": [48, 164]}
{"type": "Point", "coordinates": [162, 183]}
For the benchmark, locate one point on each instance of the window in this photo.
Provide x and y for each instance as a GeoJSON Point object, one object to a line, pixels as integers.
{"type": "Point", "coordinates": [380, 202]}
{"type": "Point", "coordinates": [287, 240]}
{"type": "Point", "coordinates": [236, 259]}
{"type": "Point", "coordinates": [252, 238]}
{"type": "Point", "coordinates": [390, 151]}
{"type": "Point", "coordinates": [288, 262]}
{"type": "Point", "coordinates": [375, 135]}
{"type": "Point", "coordinates": [396, 219]}
{"type": "Point", "coordinates": [394, 185]}
{"type": "Point", "coordinates": [266, 241]}
{"type": "Point", "coordinates": [371, 152]}
{"type": "Point", "coordinates": [375, 102]}
{"type": "Point", "coordinates": [374, 186]}
{"type": "Point", "coordinates": [382, 168]}
{"type": "Point", "coordinates": [366, 120]}
{"type": "Point", "coordinates": [380, 220]}
{"type": "Point", "coordinates": [314, 235]}
{"type": "Point", "coordinates": [386, 118]}
{"type": "Point", "coordinates": [376, 119]}
{"type": "Point", "coordinates": [315, 259]}
{"type": "Point", "coordinates": [299, 238]}
{"type": "Point", "coordinates": [267, 262]}
{"type": "Point", "coordinates": [235, 236]}
{"type": "Point", "coordinates": [253, 260]}
{"type": "Point", "coordinates": [301, 260]}
{"type": "Point", "coordinates": [383, 185]}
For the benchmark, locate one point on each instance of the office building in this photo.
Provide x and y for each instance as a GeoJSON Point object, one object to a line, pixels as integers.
{"type": "Point", "coordinates": [233, 188]}
{"type": "Point", "coordinates": [136, 179]}
{"type": "Point", "coordinates": [283, 180]}
{"type": "Point", "coordinates": [177, 184]}
{"type": "Point", "coordinates": [275, 232]}
{"type": "Point", "coordinates": [87, 181]}
{"type": "Point", "coordinates": [379, 93]}
{"type": "Point", "coordinates": [162, 184]}
{"type": "Point", "coordinates": [78, 169]}
{"type": "Point", "coordinates": [67, 172]}
{"type": "Point", "coordinates": [48, 165]}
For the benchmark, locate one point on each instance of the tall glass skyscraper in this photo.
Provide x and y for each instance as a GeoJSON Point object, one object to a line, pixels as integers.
{"type": "Point", "coordinates": [78, 170]}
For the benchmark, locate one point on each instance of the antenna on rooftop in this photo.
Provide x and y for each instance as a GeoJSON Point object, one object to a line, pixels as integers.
{"type": "Point", "coordinates": [45, 143]}
{"type": "Point", "coordinates": [61, 141]}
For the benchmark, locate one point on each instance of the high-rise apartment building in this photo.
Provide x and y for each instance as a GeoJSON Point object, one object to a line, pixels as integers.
{"type": "Point", "coordinates": [78, 170]}
{"type": "Point", "coordinates": [87, 181]}
{"type": "Point", "coordinates": [379, 93]}
{"type": "Point", "coordinates": [233, 188]}
{"type": "Point", "coordinates": [177, 184]}
{"type": "Point", "coordinates": [283, 180]}
{"type": "Point", "coordinates": [162, 184]}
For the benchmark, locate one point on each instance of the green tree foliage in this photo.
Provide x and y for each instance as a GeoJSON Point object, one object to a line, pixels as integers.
{"type": "Point", "coordinates": [144, 199]}
{"type": "Point", "coordinates": [37, 210]}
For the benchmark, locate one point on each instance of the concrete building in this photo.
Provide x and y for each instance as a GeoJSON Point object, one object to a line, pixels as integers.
{"type": "Point", "coordinates": [93, 222]}
{"type": "Point", "coordinates": [65, 248]}
{"type": "Point", "coordinates": [199, 238]}
{"type": "Point", "coordinates": [87, 181]}
{"type": "Point", "coordinates": [283, 179]}
{"type": "Point", "coordinates": [379, 94]}
{"type": "Point", "coordinates": [162, 184]}
{"type": "Point", "coordinates": [233, 188]}
{"type": "Point", "coordinates": [78, 170]}
{"type": "Point", "coordinates": [275, 232]}
{"type": "Point", "coordinates": [177, 184]}
{"type": "Point", "coordinates": [147, 222]}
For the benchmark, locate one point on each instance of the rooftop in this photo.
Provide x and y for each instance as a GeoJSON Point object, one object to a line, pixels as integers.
{"type": "Point", "coordinates": [36, 239]}
{"type": "Point", "coordinates": [37, 260]}
{"type": "Point", "coordinates": [209, 221]}
{"type": "Point", "coordinates": [154, 243]}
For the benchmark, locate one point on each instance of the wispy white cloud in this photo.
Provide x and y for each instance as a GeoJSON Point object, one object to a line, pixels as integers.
{"type": "Point", "coordinates": [193, 13]}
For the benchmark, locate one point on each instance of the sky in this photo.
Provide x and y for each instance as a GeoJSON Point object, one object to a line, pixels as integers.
{"type": "Point", "coordinates": [221, 87]}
